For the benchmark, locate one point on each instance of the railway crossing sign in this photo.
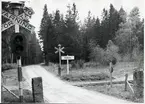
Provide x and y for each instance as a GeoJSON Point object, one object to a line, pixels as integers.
{"type": "Point", "coordinates": [67, 58]}
{"type": "Point", "coordinates": [16, 20]}
{"type": "Point", "coordinates": [18, 43]}
{"type": "Point", "coordinates": [28, 11]}
{"type": "Point", "coordinates": [59, 50]}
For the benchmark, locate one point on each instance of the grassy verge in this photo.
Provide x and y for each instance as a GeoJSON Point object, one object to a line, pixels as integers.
{"type": "Point", "coordinates": [85, 77]}
{"type": "Point", "coordinates": [7, 97]}
{"type": "Point", "coordinates": [91, 72]}
{"type": "Point", "coordinates": [117, 91]}
{"type": "Point", "coordinates": [10, 80]}
{"type": "Point", "coordinates": [86, 74]}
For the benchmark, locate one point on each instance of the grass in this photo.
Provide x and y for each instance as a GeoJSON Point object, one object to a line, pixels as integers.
{"type": "Point", "coordinates": [11, 82]}
{"type": "Point", "coordinates": [117, 91]}
{"type": "Point", "coordinates": [7, 97]}
{"type": "Point", "coordinates": [85, 77]}
{"type": "Point", "coordinates": [86, 74]}
{"type": "Point", "coordinates": [92, 72]}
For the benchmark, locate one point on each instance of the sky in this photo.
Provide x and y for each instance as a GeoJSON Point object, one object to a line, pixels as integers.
{"type": "Point", "coordinates": [83, 6]}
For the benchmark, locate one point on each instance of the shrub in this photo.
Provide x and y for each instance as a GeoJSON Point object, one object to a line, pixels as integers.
{"type": "Point", "coordinates": [80, 63]}
{"type": "Point", "coordinates": [97, 54]}
{"type": "Point", "coordinates": [91, 64]}
{"type": "Point", "coordinates": [104, 56]}
{"type": "Point", "coordinates": [73, 64]}
{"type": "Point", "coordinates": [8, 66]}
{"type": "Point", "coordinates": [77, 64]}
{"type": "Point", "coordinates": [85, 77]}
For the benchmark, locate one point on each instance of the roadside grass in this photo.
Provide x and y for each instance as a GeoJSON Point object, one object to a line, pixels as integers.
{"type": "Point", "coordinates": [117, 91]}
{"type": "Point", "coordinates": [86, 74]}
{"type": "Point", "coordinates": [85, 77]}
{"type": "Point", "coordinates": [92, 72]}
{"type": "Point", "coordinates": [10, 80]}
{"type": "Point", "coordinates": [7, 97]}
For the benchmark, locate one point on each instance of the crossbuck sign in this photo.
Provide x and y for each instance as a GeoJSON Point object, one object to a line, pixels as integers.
{"type": "Point", "coordinates": [17, 20]}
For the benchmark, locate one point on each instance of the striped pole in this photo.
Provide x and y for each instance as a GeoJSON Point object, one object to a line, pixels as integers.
{"type": "Point", "coordinates": [17, 30]}
{"type": "Point", "coordinates": [20, 79]}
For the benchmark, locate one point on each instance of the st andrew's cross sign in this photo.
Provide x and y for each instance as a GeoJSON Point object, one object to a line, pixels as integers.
{"type": "Point", "coordinates": [10, 23]}
{"type": "Point", "coordinates": [15, 20]}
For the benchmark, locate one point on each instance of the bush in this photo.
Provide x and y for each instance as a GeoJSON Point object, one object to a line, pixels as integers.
{"type": "Point", "coordinates": [91, 64]}
{"type": "Point", "coordinates": [8, 66]}
{"type": "Point", "coordinates": [104, 56]}
{"type": "Point", "coordinates": [77, 64]}
{"type": "Point", "coordinates": [85, 77]}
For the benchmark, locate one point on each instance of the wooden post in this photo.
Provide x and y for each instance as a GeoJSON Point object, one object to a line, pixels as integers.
{"type": "Point", "coordinates": [12, 58]}
{"type": "Point", "coordinates": [126, 76]}
{"type": "Point", "coordinates": [37, 89]}
{"type": "Point", "coordinates": [59, 68]}
{"type": "Point", "coordinates": [110, 74]}
{"type": "Point", "coordinates": [67, 66]}
{"type": "Point", "coordinates": [138, 83]}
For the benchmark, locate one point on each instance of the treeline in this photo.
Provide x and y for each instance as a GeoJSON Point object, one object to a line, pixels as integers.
{"type": "Point", "coordinates": [32, 54]}
{"type": "Point", "coordinates": [115, 34]}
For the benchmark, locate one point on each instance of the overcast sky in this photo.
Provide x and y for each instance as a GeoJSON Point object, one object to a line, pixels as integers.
{"type": "Point", "coordinates": [83, 6]}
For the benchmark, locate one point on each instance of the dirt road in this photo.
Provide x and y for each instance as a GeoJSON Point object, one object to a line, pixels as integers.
{"type": "Point", "coordinates": [57, 91]}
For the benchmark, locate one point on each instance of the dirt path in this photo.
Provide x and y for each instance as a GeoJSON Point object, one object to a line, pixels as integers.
{"type": "Point", "coordinates": [57, 91]}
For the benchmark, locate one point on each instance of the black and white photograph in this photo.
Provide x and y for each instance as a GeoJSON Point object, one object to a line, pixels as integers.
{"type": "Point", "coordinates": [72, 51]}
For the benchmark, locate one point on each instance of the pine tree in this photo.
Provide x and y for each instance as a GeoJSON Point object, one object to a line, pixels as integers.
{"type": "Point", "coordinates": [45, 33]}
{"type": "Point", "coordinates": [123, 15]}
{"type": "Point", "coordinates": [104, 28]}
{"type": "Point", "coordinates": [71, 29]}
{"type": "Point", "coordinates": [113, 22]}
{"type": "Point", "coordinates": [97, 28]}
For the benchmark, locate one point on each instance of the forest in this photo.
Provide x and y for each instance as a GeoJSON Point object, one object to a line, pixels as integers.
{"type": "Point", "coordinates": [115, 35]}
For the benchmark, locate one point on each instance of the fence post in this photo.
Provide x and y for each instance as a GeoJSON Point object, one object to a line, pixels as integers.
{"type": "Point", "coordinates": [110, 69]}
{"type": "Point", "coordinates": [37, 89]}
{"type": "Point", "coordinates": [126, 77]}
{"type": "Point", "coordinates": [138, 83]}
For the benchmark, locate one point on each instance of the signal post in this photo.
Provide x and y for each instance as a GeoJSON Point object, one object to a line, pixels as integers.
{"type": "Point", "coordinates": [59, 50]}
{"type": "Point", "coordinates": [18, 40]}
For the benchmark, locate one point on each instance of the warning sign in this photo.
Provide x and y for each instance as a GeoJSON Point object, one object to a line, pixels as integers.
{"type": "Point", "coordinates": [15, 20]}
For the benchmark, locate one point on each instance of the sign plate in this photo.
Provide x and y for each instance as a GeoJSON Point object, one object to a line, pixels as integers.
{"type": "Point", "coordinates": [10, 23]}
{"type": "Point", "coordinates": [17, 20]}
{"type": "Point", "coordinates": [67, 57]}
{"type": "Point", "coordinates": [28, 11]}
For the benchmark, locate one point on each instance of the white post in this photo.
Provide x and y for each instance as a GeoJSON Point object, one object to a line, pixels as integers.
{"type": "Point", "coordinates": [67, 66]}
{"type": "Point", "coordinates": [20, 79]}
{"type": "Point", "coordinates": [16, 12]}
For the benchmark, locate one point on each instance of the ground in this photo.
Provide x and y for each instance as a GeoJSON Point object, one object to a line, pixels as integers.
{"type": "Point", "coordinates": [120, 70]}
{"type": "Point", "coordinates": [11, 83]}
{"type": "Point", "coordinates": [117, 91]}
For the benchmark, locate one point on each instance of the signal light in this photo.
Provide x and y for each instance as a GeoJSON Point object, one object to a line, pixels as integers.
{"type": "Point", "coordinates": [18, 44]}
